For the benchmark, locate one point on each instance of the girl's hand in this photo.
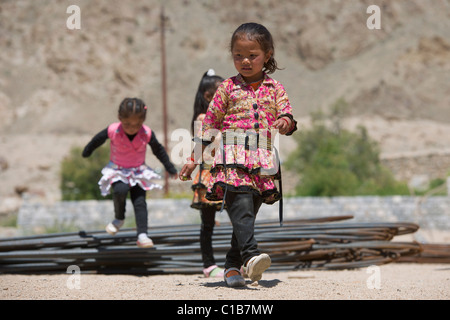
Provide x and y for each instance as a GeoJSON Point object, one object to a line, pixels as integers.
{"type": "Point", "coordinates": [185, 173]}
{"type": "Point", "coordinates": [283, 125]}
{"type": "Point", "coordinates": [173, 176]}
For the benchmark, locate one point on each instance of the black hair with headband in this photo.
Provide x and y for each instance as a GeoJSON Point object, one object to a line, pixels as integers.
{"type": "Point", "coordinates": [208, 83]}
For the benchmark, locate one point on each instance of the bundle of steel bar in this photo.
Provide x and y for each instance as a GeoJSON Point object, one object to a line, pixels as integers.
{"type": "Point", "coordinates": [430, 253]}
{"type": "Point", "coordinates": [325, 243]}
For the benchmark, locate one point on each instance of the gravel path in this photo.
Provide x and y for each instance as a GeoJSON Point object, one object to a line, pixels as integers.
{"type": "Point", "coordinates": [396, 281]}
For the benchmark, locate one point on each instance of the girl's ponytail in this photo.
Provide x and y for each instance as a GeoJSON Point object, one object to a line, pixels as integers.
{"type": "Point", "coordinates": [271, 65]}
{"type": "Point", "coordinates": [207, 83]}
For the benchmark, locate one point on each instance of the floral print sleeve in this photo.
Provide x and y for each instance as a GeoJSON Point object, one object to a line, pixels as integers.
{"type": "Point", "coordinates": [284, 108]}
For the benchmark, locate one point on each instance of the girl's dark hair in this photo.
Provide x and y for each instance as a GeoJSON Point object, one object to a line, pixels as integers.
{"type": "Point", "coordinates": [132, 106]}
{"type": "Point", "coordinates": [259, 33]}
{"type": "Point", "coordinates": [209, 84]}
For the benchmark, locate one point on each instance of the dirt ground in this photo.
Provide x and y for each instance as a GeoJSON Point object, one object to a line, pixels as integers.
{"type": "Point", "coordinates": [394, 281]}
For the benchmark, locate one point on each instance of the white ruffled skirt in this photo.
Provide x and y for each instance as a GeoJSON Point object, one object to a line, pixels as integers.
{"type": "Point", "coordinates": [143, 176]}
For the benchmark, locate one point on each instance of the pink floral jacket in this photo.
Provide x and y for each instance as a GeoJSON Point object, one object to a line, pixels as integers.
{"type": "Point", "coordinates": [238, 110]}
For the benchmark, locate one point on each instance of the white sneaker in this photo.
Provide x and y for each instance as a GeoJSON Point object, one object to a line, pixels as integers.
{"type": "Point", "coordinates": [144, 241]}
{"type": "Point", "coordinates": [113, 227]}
{"type": "Point", "coordinates": [257, 265]}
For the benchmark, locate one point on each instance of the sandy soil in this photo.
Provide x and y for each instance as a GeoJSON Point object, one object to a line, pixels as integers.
{"type": "Point", "coordinates": [397, 281]}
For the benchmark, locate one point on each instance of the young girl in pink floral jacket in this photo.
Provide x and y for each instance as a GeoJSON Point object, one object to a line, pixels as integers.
{"type": "Point", "coordinates": [244, 113]}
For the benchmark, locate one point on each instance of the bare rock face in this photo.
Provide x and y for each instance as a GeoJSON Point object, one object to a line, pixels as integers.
{"type": "Point", "coordinates": [3, 164]}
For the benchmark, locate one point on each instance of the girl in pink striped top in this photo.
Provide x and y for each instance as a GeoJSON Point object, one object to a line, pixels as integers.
{"type": "Point", "coordinates": [127, 172]}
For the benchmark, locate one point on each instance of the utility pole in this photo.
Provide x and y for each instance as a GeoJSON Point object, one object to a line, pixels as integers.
{"type": "Point", "coordinates": [164, 92]}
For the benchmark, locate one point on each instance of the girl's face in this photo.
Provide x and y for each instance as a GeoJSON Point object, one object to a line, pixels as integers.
{"type": "Point", "coordinates": [249, 59]}
{"type": "Point", "coordinates": [132, 124]}
{"type": "Point", "coordinates": [209, 95]}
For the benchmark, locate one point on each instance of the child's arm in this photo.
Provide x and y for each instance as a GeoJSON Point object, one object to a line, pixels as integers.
{"type": "Point", "coordinates": [285, 122]}
{"type": "Point", "coordinates": [211, 122]}
{"type": "Point", "coordinates": [160, 153]}
{"type": "Point", "coordinates": [188, 168]}
{"type": "Point", "coordinates": [96, 142]}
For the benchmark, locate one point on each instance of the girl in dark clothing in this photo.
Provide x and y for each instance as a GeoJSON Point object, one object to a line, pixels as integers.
{"type": "Point", "coordinates": [206, 89]}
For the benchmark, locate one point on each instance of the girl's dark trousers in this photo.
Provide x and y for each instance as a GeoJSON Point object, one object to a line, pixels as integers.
{"type": "Point", "coordinates": [137, 195]}
{"type": "Point", "coordinates": [242, 208]}
{"type": "Point", "coordinates": [208, 215]}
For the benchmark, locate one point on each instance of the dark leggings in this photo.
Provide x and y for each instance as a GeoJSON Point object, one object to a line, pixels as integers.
{"type": "Point", "coordinates": [208, 215]}
{"type": "Point", "coordinates": [242, 209]}
{"type": "Point", "coordinates": [137, 194]}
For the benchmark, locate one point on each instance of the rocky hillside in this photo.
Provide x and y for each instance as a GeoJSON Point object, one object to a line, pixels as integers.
{"type": "Point", "coordinates": [58, 87]}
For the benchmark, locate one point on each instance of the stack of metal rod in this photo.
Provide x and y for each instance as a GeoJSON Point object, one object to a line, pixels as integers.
{"type": "Point", "coordinates": [325, 243]}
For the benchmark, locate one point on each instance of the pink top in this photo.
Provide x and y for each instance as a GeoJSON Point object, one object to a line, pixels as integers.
{"type": "Point", "coordinates": [126, 153]}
